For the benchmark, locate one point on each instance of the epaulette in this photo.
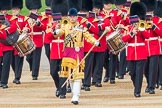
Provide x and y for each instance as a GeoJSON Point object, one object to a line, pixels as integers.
{"type": "Point", "coordinates": [26, 18]}
{"type": "Point", "coordinates": [160, 20]}
{"type": "Point", "coordinates": [13, 18]}
{"type": "Point", "coordinates": [3, 27]}
{"type": "Point", "coordinates": [83, 20]}
{"type": "Point", "coordinates": [119, 12]}
{"type": "Point", "coordinates": [43, 16]}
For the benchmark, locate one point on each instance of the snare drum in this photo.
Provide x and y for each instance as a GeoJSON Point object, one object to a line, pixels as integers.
{"type": "Point", "coordinates": [115, 42]}
{"type": "Point", "coordinates": [24, 45]}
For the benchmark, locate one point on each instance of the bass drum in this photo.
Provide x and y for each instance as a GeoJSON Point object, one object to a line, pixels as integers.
{"type": "Point", "coordinates": [115, 42]}
{"type": "Point", "coordinates": [24, 45]}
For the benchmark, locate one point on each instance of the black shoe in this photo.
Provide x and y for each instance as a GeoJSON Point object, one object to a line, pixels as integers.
{"type": "Point", "coordinates": [98, 85]}
{"type": "Point", "coordinates": [151, 91]}
{"type": "Point", "coordinates": [120, 77]}
{"type": "Point", "coordinates": [57, 93]}
{"type": "Point", "coordinates": [75, 102]}
{"type": "Point", "coordinates": [35, 78]}
{"type": "Point", "coordinates": [16, 81]}
{"type": "Point", "coordinates": [4, 86]}
{"type": "Point", "coordinates": [112, 81]}
{"type": "Point", "coordinates": [157, 86]}
{"type": "Point", "coordinates": [93, 83]}
{"type": "Point", "coordinates": [1, 84]}
{"type": "Point", "coordinates": [68, 90]}
{"type": "Point", "coordinates": [161, 88]}
{"type": "Point", "coordinates": [62, 96]}
{"type": "Point", "coordinates": [147, 90]}
{"type": "Point", "coordinates": [87, 88]}
{"type": "Point", "coordinates": [82, 87]}
{"type": "Point", "coordinates": [106, 79]}
{"type": "Point", "coordinates": [137, 95]}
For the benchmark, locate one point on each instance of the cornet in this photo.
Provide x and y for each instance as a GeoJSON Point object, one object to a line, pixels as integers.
{"type": "Point", "coordinates": [142, 25]}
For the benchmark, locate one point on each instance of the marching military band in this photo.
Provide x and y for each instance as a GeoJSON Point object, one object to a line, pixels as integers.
{"type": "Point", "coordinates": [80, 38]}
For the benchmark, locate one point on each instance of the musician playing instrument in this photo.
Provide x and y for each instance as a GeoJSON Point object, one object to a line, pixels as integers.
{"type": "Point", "coordinates": [136, 50]}
{"type": "Point", "coordinates": [153, 46]}
{"type": "Point", "coordinates": [37, 25]}
{"type": "Point", "coordinates": [57, 43]}
{"type": "Point", "coordinates": [48, 14]}
{"type": "Point", "coordinates": [21, 22]}
{"type": "Point", "coordinates": [124, 21]}
{"type": "Point", "coordinates": [158, 14]}
{"type": "Point", "coordinates": [83, 18]}
{"type": "Point", "coordinates": [93, 27]}
{"type": "Point", "coordinates": [114, 19]}
{"type": "Point", "coordinates": [73, 53]}
{"type": "Point", "coordinates": [7, 28]}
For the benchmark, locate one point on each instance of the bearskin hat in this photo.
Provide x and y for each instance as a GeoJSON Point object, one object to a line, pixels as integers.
{"type": "Point", "coordinates": [150, 4]}
{"type": "Point", "coordinates": [56, 4]}
{"type": "Point", "coordinates": [17, 4]}
{"type": "Point", "coordinates": [87, 5]}
{"type": "Point", "coordinates": [140, 6]}
{"type": "Point", "coordinates": [48, 2]}
{"type": "Point", "coordinates": [98, 4]}
{"type": "Point", "coordinates": [158, 9]}
{"type": "Point", "coordinates": [33, 4]}
{"type": "Point", "coordinates": [120, 2]}
{"type": "Point", "coordinates": [75, 4]}
{"type": "Point", "coordinates": [108, 1]}
{"type": "Point", "coordinates": [5, 4]}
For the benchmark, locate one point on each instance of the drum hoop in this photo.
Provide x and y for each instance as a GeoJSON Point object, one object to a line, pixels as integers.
{"type": "Point", "coordinates": [112, 34]}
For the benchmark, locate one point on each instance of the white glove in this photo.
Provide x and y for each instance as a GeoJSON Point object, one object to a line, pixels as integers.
{"type": "Point", "coordinates": [97, 43]}
{"type": "Point", "coordinates": [57, 31]}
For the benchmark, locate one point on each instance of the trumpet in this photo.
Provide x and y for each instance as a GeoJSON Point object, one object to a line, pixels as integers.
{"type": "Point", "coordinates": [142, 25]}
{"type": "Point", "coordinates": [64, 21]}
{"type": "Point", "coordinates": [149, 24]}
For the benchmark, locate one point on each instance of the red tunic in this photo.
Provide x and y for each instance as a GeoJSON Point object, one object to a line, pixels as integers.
{"type": "Point", "coordinates": [10, 30]}
{"type": "Point", "coordinates": [152, 43]}
{"type": "Point", "coordinates": [136, 49]}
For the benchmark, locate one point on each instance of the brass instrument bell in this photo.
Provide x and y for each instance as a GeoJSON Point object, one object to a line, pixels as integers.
{"type": "Point", "coordinates": [142, 25]}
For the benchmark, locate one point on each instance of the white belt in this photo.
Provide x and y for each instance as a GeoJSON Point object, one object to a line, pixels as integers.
{"type": "Point", "coordinates": [153, 38]}
{"type": "Point", "coordinates": [136, 44]}
{"type": "Point", "coordinates": [160, 39]}
{"type": "Point", "coordinates": [58, 41]}
{"type": "Point", "coordinates": [37, 33]}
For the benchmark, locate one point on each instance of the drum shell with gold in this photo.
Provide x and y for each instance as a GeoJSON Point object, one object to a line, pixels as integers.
{"type": "Point", "coordinates": [114, 42]}
{"type": "Point", "coordinates": [24, 45]}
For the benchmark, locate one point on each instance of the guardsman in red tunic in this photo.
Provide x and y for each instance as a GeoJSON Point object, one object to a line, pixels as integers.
{"type": "Point", "coordinates": [83, 18]}
{"type": "Point", "coordinates": [113, 19]}
{"type": "Point", "coordinates": [1, 55]}
{"type": "Point", "coordinates": [47, 41]}
{"type": "Point", "coordinates": [57, 44]}
{"type": "Point", "coordinates": [158, 15]}
{"type": "Point", "coordinates": [37, 26]}
{"type": "Point", "coordinates": [98, 50]}
{"type": "Point", "coordinates": [136, 51]}
{"type": "Point", "coordinates": [20, 21]}
{"type": "Point", "coordinates": [107, 11]}
{"type": "Point", "coordinates": [122, 18]}
{"type": "Point", "coordinates": [153, 48]}
{"type": "Point", "coordinates": [8, 29]}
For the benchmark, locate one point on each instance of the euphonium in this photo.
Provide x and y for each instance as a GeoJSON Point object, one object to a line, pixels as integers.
{"type": "Point", "coordinates": [142, 25]}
